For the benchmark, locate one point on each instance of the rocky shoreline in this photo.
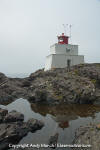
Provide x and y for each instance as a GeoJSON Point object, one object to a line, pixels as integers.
{"type": "Point", "coordinates": [13, 128]}
{"type": "Point", "coordinates": [80, 85]}
{"type": "Point", "coordinates": [88, 135]}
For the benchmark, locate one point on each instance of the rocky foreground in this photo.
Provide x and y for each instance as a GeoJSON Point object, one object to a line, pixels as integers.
{"type": "Point", "coordinates": [13, 129]}
{"type": "Point", "coordinates": [88, 135]}
{"type": "Point", "coordinates": [79, 85]}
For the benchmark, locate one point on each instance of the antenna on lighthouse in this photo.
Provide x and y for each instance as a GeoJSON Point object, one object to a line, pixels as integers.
{"type": "Point", "coordinates": [70, 26]}
{"type": "Point", "coordinates": [65, 27]}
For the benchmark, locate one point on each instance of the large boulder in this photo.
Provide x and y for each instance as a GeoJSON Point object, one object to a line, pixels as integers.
{"type": "Point", "coordinates": [12, 133]}
{"type": "Point", "coordinates": [34, 124]}
{"type": "Point", "coordinates": [14, 116]}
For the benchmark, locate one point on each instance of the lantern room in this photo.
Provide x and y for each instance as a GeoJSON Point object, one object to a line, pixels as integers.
{"type": "Point", "coordinates": [62, 39]}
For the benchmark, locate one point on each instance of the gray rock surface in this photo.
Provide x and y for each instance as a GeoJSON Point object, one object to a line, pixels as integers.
{"type": "Point", "coordinates": [88, 135]}
{"type": "Point", "coordinates": [3, 112]}
{"type": "Point", "coordinates": [14, 116]}
{"type": "Point", "coordinates": [80, 85]}
{"type": "Point", "coordinates": [34, 124]}
{"type": "Point", "coordinates": [13, 129]}
{"type": "Point", "coordinates": [53, 141]}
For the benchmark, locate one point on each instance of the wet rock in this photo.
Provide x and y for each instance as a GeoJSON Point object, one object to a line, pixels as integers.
{"type": "Point", "coordinates": [53, 140]}
{"type": "Point", "coordinates": [3, 112]}
{"type": "Point", "coordinates": [14, 116]}
{"type": "Point", "coordinates": [13, 129]}
{"type": "Point", "coordinates": [1, 119]}
{"type": "Point", "coordinates": [87, 135]}
{"type": "Point", "coordinates": [34, 124]}
{"type": "Point", "coordinates": [12, 133]}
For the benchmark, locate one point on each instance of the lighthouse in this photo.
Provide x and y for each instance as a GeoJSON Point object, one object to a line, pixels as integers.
{"type": "Point", "coordinates": [63, 54]}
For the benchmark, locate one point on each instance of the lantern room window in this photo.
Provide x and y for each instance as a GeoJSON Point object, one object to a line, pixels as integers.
{"type": "Point", "coordinates": [60, 40]}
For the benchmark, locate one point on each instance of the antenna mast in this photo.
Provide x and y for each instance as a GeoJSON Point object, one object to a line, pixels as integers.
{"type": "Point", "coordinates": [70, 33]}
{"type": "Point", "coordinates": [65, 27]}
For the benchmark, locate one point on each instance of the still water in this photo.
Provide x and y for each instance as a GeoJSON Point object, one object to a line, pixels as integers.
{"type": "Point", "coordinates": [62, 119]}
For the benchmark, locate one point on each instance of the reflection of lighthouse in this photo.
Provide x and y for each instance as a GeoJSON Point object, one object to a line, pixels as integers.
{"type": "Point", "coordinates": [63, 54]}
{"type": "Point", "coordinates": [63, 120]}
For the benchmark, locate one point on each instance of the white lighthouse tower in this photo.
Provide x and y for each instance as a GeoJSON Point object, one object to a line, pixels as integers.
{"type": "Point", "coordinates": [63, 54]}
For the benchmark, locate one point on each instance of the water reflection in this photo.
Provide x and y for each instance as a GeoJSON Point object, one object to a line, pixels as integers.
{"type": "Point", "coordinates": [62, 111]}
{"type": "Point", "coordinates": [67, 110]}
{"type": "Point", "coordinates": [62, 114]}
{"type": "Point", "coordinates": [62, 119]}
{"type": "Point", "coordinates": [64, 125]}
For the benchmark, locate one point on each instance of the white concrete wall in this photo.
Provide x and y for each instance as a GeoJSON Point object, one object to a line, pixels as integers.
{"type": "Point", "coordinates": [48, 63]}
{"type": "Point", "coordinates": [60, 61]}
{"type": "Point", "coordinates": [64, 49]}
{"type": "Point", "coordinates": [77, 60]}
{"type": "Point", "coordinates": [52, 49]}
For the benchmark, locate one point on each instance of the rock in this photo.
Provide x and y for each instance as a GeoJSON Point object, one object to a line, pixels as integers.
{"type": "Point", "coordinates": [1, 119]}
{"type": "Point", "coordinates": [2, 77]}
{"type": "Point", "coordinates": [40, 95]}
{"type": "Point", "coordinates": [13, 129]}
{"type": "Point", "coordinates": [3, 112]}
{"type": "Point", "coordinates": [81, 85]}
{"type": "Point", "coordinates": [34, 124]}
{"type": "Point", "coordinates": [53, 140]}
{"type": "Point", "coordinates": [26, 83]}
{"type": "Point", "coordinates": [32, 98]}
{"type": "Point", "coordinates": [12, 133]}
{"type": "Point", "coordinates": [14, 116]}
{"type": "Point", "coordinates": [39, 73]}
{"type": "Point", "coordinates": [88, 135]}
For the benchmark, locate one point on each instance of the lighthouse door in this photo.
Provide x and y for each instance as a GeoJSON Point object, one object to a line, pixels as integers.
{"type": "Point", "coordinates": [68, 63]}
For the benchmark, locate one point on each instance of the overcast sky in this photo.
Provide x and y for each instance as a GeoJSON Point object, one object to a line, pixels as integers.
{"type": "Point", "coordinates": [29, 27]}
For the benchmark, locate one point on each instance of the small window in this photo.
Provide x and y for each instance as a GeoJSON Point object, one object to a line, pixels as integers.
{"type": "Point", "coordinates": [67, 50]}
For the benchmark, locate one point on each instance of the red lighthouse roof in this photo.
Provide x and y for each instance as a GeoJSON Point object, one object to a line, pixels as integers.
{"type": "Point", "coordinates": [63, 39]}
